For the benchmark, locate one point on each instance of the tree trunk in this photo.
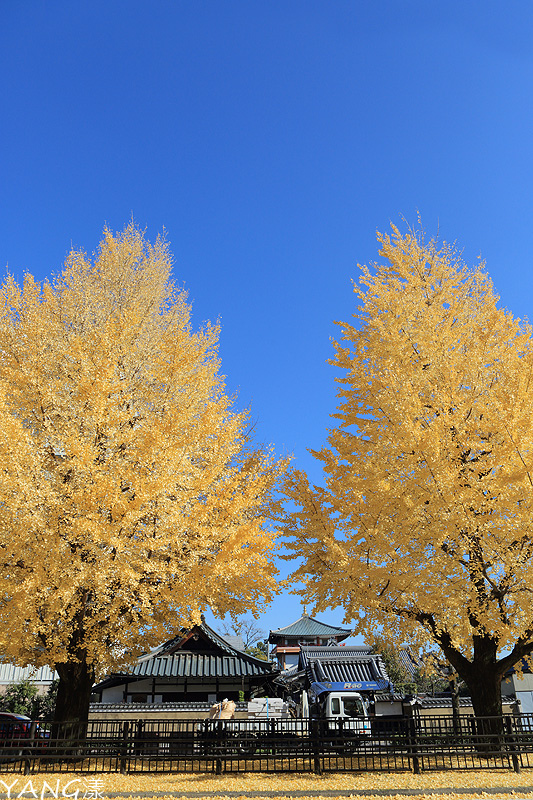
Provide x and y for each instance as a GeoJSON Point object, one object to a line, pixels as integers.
{"type": "Point", "coordinates": [486, 692]}
{"type": "Point", "coordinates": [76, 680]}
{"type": "Point", "coordinates": [483, 676]}
{"type": "Point", "coordinates": [487, 703]}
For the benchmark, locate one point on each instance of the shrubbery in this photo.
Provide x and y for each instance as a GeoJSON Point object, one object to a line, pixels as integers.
{"type": "Point", "coordinates": [23, 697]}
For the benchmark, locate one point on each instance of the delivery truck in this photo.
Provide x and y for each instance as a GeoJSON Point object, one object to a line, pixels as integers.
{"type": "Point", "coordinates": [337, 719]}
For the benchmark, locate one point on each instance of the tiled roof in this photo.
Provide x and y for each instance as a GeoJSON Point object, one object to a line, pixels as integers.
{"type": "Point", "coordinates": [182, 664]}
{"type": "Point", "coordinates": [446, 702]}
{"type": "Point", "coordinates": [338, 653]}
{"type": "Point", "coordinates": [211, 635]}
{"type": "Point", "coordinates": [163, 708]}
{"type": "Point", "coordinates": [432, 702]}
{"type": "Point", "coordinates": [410, 663]}
{"type": "Point", "coordinates": [308, 626]}
{"type": "Point", "coordinates": [343, 665]}
{"type": "Point", "coordinates": [388, 697]}
{"type": "Point", "coordinates": [175, 659]}
{"type": "Point", "coordinates": [235, 641]}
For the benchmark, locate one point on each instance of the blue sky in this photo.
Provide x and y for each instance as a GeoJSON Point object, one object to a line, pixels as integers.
{"type": "Point", "coordinates": [270, 140]}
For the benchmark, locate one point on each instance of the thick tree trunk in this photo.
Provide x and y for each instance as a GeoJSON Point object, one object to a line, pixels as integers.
{"type": "Point", "coordinates": [483, 676]}
{"type": "Point", "coordinates": [76, 680]}
{"type": "Point", "coordinates": [486, 697]}
{"type": "Point", "coordinates": [486, 692]}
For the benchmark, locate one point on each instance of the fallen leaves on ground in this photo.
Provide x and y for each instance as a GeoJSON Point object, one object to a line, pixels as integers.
{"type": "Point", "coordinates": [287, 783]}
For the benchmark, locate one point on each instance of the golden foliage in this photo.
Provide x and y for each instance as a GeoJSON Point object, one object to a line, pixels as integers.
{"type": "Point", "coordinates": [129, 496]}
{"type": "Point", "coordinates": [424, 525]}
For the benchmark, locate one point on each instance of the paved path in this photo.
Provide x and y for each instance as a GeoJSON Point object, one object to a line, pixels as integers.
{"type": "Point", "coordinates": [517, 791]}
{"type": "Point", "coordinates": [499, 790]}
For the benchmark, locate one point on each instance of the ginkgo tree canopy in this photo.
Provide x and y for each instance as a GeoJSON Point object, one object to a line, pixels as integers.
{"type": "Point", "coordinates": [130, 496]}
{"type": "Point", "coordinates": [424, 526]}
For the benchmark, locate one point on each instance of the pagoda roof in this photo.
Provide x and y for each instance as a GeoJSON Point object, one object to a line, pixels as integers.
{"type": "Point", "coordinates": [308, 626]}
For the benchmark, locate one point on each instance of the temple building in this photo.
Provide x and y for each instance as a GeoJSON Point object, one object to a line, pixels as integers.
{"type": "Point", "coordinates": [197, 666]}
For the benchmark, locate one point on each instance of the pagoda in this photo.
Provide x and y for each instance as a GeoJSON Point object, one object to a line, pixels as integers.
{"type": "Point", "coordinates": [305, 631]}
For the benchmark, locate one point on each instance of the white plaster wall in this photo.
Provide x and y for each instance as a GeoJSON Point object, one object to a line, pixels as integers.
{"type": "Point", "coordinates": [524, 684]}
{"type": "Point", "coordinates": [526, 702]}
{"type": "Point", "coordinates": [386, 709]}
{"type": "Point", "coordinates": [112, 695]}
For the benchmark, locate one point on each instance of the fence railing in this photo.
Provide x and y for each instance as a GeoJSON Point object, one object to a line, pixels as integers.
{"type": "Point", "coordinates": [360, 744]}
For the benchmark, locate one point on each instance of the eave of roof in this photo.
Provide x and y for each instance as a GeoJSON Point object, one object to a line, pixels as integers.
{"type": "Point", "coordinates": [308, 626]}
{"type": "Point", "coordinates": [202, 665]}
{"type": "Point", "coordinates": [343, 664]}
{"type": "Point", "coordinates": [335, 653]}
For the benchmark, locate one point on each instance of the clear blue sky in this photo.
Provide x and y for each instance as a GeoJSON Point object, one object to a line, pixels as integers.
{"type": "Point", "coordinates": [270, 139]}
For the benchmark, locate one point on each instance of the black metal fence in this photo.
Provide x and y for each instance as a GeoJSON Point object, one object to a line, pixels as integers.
{"type": "Point", "coordinates": [417, 743]}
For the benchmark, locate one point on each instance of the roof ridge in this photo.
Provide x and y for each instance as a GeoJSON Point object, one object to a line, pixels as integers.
{"type": "Point", "coordinates": [214, 636]}
{"type": "Point", "coordinates": [233, 650]}
{"type": "Point", "coordinates": [307, 618]}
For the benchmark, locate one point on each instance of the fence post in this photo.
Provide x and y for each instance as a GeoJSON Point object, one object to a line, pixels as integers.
{"type": "Point", "coordinates": [139, 734]}
{"type": "Point", "coordinates": [31, 743]}
{"type": "Point", "coordinates": [124, 748]}
{"type": "Point", "coordinates": [272, 732]}
{"type": "Point", "coordinates": [412, 748]}
{"type": "Point", "coordinates": [221, 734]}
{"type": "Point", "coordinates": [315, 746]}
{"type": "Point", "coordinates": [512, 743]}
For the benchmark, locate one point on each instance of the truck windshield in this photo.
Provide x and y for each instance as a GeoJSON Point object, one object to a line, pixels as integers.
{"type": "Point", "coordinates": [353, 707]}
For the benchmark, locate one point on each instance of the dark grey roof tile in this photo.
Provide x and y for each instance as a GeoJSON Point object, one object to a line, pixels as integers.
{"type": "Point", "coordinates": [308, 626]}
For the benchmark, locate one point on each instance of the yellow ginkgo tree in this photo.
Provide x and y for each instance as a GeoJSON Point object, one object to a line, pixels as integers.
{"type": "Point", "coordinates": [424, 526]}
{"type": "Point", "coordinates": [130, 496]}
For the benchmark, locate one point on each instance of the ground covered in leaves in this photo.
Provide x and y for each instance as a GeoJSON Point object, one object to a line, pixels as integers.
{"type": "Point", "coordinates": [286, 784]}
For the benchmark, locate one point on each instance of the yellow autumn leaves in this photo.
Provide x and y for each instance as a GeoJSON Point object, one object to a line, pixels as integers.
{"type": "Point", "coordinates": [425, 518]}
{"type": "Point", "coordinates": [131, 497]}
{"type": "Point", "coordinates": [128, 484]}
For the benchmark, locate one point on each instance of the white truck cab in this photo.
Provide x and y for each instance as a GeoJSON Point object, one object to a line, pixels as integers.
{"type": "Point", "coordinates": [345, 705]}
{"type": "Point", "coordinates": [346, 710]}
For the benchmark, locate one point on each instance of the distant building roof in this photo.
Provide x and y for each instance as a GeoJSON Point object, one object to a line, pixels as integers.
{"type": "Point", "coordinates": [388, 697]}
{"type": "Point", "coordinates": [308, 626]}
{"type": "Point", "coordinates": [336, 653]}
{"type": "Point", "coordinates": [524, 665]}
{"type": "Point", "coordinates": [432, 702]}
{"type": "Point", "coordinates": [10, 673]}
{"type": "Point", "coordinates": [446, 702]}
{"type": "Point", "coordinates": [337, 668]}
{"type": "Point", "coordinates": [409, 661]}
